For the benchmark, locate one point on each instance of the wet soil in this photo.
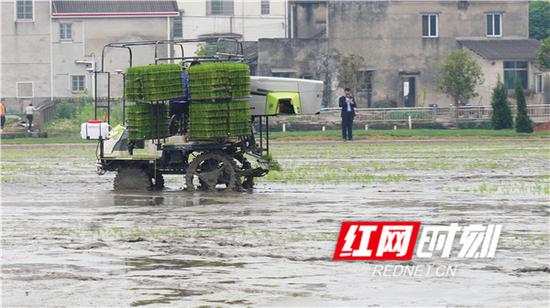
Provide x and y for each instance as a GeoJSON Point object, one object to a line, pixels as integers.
{"type": "Point", "coordinates": [69, 240]}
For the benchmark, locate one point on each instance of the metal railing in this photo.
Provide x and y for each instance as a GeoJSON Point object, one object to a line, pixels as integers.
{"type": "Point", "coordinates": [537, 113]}
{"type": "Point", "coordinates": [45, 114]}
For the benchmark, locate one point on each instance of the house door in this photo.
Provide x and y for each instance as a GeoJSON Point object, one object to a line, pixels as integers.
{"type": "Point", "coordinates": [408, 91]}
{"type": "Point", "coordinates": [365, 85]}
{"type": "Point", "coordinates": [369, 88]}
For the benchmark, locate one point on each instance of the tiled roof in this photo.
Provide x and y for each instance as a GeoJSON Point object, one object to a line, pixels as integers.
{"type": "Point", "coordinates": [86, 8]}
{"type": "Point", "coordinates": [503, 49]}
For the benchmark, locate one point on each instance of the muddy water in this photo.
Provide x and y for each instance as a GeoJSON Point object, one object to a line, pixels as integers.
{"type": "Point", "coordinates": [68, 239]}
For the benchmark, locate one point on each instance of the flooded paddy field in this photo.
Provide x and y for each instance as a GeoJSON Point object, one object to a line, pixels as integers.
{"type": "Point", "coordinates": [68, 239]}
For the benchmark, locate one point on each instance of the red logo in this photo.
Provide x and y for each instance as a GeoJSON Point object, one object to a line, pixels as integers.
{"type": "Point", "coordinates": [382, 240]}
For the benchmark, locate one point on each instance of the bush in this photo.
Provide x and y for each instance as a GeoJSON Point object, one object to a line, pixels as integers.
{"type": "Point", "coordinates": [347, 71]}
{"type": "Point", "coordinates": [71, 113]}
{"type": "Point", "coordinates": [523, 122]}
{"type": "Point", "coordinates": [539, 12]}
{"type": "Point", "coordinates": [543, 54]}
{"type": "Point", "coordinates": [64, 110]}
{"type": "Point", "coordinates": [502, 115]}
{"type": "Point", "coordinates": [384, 104]}
{"type": "Point", "coordinates": [475, 125]}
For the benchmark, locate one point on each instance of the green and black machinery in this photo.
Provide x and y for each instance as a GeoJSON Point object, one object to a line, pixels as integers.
{"type": "Point", "coordinates": [209, 137]}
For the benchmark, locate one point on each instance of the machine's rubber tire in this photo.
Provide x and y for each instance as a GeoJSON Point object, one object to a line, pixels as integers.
{"type": "Point", "coordinates": [211, 169]}
{"type": "Point", "coordinates": [132, 178]}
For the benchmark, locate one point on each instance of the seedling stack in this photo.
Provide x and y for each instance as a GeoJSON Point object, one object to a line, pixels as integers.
{"type": "Point", "coordinates": [216, 111]}
{"type": "Point", "coordinates": [193, 117]}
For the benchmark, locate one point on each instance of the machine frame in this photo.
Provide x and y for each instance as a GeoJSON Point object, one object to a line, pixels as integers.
{"type": "Point", "coordinates": [221, 161]}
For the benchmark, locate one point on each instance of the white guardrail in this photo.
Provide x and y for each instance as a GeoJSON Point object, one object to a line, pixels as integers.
{"type": "Point", "coordinates": [537, 113]}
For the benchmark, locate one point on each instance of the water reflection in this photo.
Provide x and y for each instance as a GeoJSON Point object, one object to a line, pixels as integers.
{"type": "Point", "coordinates": [137, 200]}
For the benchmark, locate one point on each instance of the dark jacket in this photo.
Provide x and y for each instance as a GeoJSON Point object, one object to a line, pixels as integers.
{"type": "Point", "coordinates": [342, 104]}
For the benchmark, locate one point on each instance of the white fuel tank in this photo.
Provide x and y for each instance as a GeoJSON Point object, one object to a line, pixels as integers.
{"type": "Point", "coordinates": [94, 129]}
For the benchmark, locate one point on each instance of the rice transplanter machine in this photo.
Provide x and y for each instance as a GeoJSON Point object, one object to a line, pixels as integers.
{"type": "Point", "coordinates": [203, 117]}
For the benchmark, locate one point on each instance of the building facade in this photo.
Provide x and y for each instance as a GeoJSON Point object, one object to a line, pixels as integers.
{"type": "Point", "coordinates": [403, 44]}
{"type": "Point", "coordinates": [247, 20]}
{"type": "Point", "coordinates": [244, 20]}
{"type": "Point", "coordinates": [49, 48]}
{"type": "Point", "coordinates": [505, 61]}
{"type": "Point", "coordinates": [25, 74]}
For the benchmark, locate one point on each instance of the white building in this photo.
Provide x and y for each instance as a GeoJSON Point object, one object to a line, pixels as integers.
{"type": "Point", "coordinates": [46, 44]}
{"type": "Point", "coordinates": [49, 46]}
{"type": "Point", "coordinates": [247, 20]}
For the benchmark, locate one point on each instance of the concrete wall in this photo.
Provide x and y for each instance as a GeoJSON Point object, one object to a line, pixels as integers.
{"type": "Point", "coordinates": [299, 55]}
{"type": "Point", "coordinates": [309, 20]}
{"type": "Point", "coordinates": [493, 71]}
{"type": "Point", "coordinates": [25, 50]}
{"type": "Point", "coordinates": [388, 34]}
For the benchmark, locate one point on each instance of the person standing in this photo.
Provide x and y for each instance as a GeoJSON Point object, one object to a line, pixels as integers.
{"type": "Point", "coordinates": [348, 105]}
{"type": "Point", "coordinates": [2, 114]}
{"type": "Point", "coordinates": [30, 115]}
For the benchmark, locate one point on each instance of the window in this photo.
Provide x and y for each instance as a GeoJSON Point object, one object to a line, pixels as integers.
{"type": "Point", "coordinates": [24, 89]}
{"type": "Point", "coordinates": [65, 31]}
{"type": "Point", "coordinates": [494, 25]}
{"type": "Point", "coordinates": [78, 83]}
{"type": "Point", "coordinates": [178, 27]}
{"type": "Point", "coordinates": [429, 25]}
{"type": "Point", "coordinates": [538, 83]}
{"type": "Point", "coordinates": [220, 7]}
{"type": "Point", "coordinates": [513, 70]}
{"type": "Point", "coordinates": [265, 7]}
{"type": "Point", "coordinates": [23, 9]}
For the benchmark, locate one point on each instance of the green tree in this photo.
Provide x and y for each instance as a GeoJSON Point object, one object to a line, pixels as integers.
{"type": "Point", "coordinates": [523, 122]}
{"type": "Point", "coordinates": [502, 115]}
{"type": "Point", "coordinates": [459, 74]}
{"type": "Point", "coordinates": [543, 54]}
{"type": "Point", "coordinates": [348, 69]}
{"type": "Point", "coordinates": [539, 19]}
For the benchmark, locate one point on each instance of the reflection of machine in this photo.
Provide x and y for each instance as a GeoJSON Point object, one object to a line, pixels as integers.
{"type": "Point", "coordinates": [142, 149]}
